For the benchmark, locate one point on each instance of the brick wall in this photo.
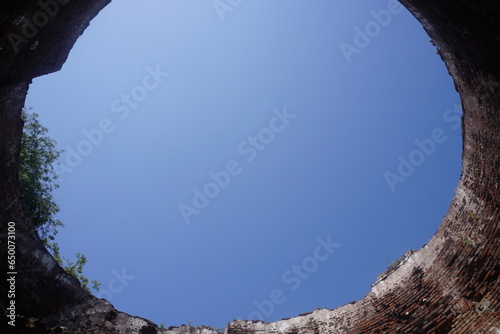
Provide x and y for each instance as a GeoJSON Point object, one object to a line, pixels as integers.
{"type": "Point", "coordinates": [451, 285]}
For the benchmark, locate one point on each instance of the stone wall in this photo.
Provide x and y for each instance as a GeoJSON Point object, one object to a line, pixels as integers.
{"type": "Point", "coordinates": [185, 329]}
{"type": "Point", "coordinates": [451, 285]}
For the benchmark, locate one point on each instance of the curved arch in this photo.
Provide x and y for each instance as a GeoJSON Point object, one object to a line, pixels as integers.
{"type": "Point", "coordinates": [446, 286]}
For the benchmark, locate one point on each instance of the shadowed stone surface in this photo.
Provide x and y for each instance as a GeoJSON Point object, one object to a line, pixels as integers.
{"type": "Point", "coordinates": [451, 285]}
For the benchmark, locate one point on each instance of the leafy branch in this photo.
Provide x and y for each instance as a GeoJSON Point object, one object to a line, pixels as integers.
{"type": "Point", "coordinates": [38, 180]}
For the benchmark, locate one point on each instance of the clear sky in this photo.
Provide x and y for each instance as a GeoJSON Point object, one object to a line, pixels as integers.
{"type": "Point", "coordinates": [249, 159]}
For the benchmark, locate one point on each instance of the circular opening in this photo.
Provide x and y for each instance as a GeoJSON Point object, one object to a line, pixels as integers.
{"type": "Point", "coordinates": [232, 159]}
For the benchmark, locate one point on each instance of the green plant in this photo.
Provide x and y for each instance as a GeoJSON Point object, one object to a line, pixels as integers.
{"type": "Point", "coordinates": [37, 179]}
{"type": "Point", "coordinates": [467, 243]}
{"type": "Point", "coordinates": [162, 325]}
{"type": "Point", "coordinates": [74, 268]}
{"type": "Point", "coordinates": [473, 215]}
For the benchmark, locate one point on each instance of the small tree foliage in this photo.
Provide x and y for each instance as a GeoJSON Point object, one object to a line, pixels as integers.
{"type": "Point", "coordinates": [38, 180]}
{"type": "Point", "coordinates": [73, 268]}
{"type": "Point", "coordinates": [37, 177]}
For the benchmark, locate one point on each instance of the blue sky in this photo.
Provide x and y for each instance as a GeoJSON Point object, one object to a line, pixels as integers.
{"type": "Point", "coordinates": [156, 97]}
